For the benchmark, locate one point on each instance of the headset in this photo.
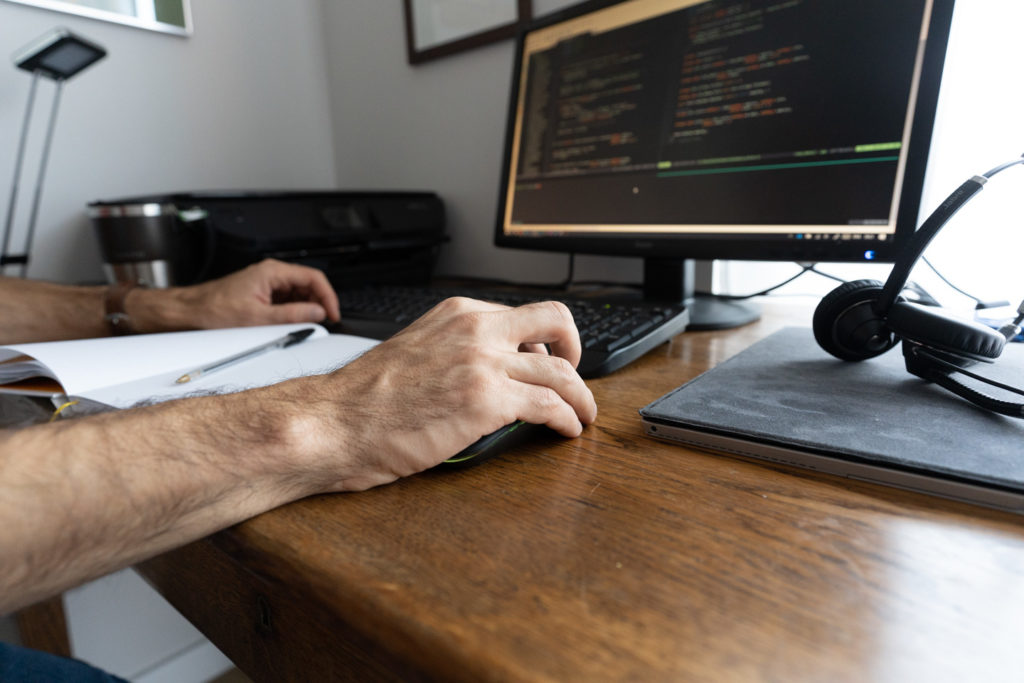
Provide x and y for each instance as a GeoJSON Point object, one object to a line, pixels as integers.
{"type": "Point", "coordinates": [865, 318]}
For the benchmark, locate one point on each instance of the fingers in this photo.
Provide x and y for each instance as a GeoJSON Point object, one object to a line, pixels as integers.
{"type": "Point", "coordinates": [542, 405]}
{"type": "Point", "coordinates": [534, 348]}
{"type": "Point", "coordinates": [526, 327]}
{"type": "Point", "coordinates": [547, 322]}
{"type": "Point", "coordinates": [312, 284]}
{"type": "Point", "coordinates": [539, 388]}
{"type": "Point", "coordinates": [551, 393]}
{"type": "Point", "coordinates": [293, 283]}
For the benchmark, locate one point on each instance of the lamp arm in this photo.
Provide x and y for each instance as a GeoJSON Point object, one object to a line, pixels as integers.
{"type": "Point", "coordinates": [38, 193]}
{"type": "Point", "coordinates": [18, 160]}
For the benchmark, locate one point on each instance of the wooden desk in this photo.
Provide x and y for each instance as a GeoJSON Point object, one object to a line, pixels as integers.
{"type": "Point", "coordinates": [615, 557]}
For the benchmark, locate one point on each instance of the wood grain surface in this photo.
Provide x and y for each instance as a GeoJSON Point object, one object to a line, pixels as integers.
{"type": "Point", "coordinates": [43, 626]}
{"type": "Point", "coordinates": [615, 557]}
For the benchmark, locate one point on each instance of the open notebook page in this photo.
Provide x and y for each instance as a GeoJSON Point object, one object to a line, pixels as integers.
{"type": "Point", "coordinates": [316, 355]}
{"type": "Point", "coordinates": [122, 370]}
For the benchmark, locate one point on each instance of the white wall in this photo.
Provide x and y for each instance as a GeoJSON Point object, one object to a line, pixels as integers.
{"type": "Point", "coordinates": [440, 126]}
{"type": "Point", "coordinates": [241, 104]}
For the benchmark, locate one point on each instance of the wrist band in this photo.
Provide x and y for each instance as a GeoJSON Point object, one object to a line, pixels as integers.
{"type": "Point", "coordinates": [113, 305]}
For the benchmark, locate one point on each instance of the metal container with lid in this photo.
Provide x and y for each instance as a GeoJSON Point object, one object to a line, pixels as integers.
{"type": "Point", "coordinates": [152, 241]}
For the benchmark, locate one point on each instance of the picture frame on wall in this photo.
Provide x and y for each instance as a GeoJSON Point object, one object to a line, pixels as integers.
{"type": "Point", "coordinates": [437, 28]}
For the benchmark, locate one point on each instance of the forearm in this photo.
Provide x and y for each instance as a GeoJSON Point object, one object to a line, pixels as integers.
{"type": "Point", "coordinates": [34, 311]}
{"type": "Point", "coordinates": [267, 293]}
{"type": "Point", "coordinates": [82, 498]}
{"type": "Point", "coordinates": [44, 311]}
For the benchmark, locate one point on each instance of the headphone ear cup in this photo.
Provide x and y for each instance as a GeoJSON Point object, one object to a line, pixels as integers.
{"type": "Point", "coordinates": [846, 325]}
{"type": "Point", "coordinates": [940, 331]}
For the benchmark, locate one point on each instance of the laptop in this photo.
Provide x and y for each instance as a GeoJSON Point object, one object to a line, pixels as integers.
{"type": "Point", "coordinates": [784, 400]}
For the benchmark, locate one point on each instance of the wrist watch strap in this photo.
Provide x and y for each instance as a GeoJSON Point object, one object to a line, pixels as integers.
{"type": "Point", "coordinates": [113, 305]}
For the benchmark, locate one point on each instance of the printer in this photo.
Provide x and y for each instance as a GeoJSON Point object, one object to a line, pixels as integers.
{"type": "Point", "coordinates": [355, 237]}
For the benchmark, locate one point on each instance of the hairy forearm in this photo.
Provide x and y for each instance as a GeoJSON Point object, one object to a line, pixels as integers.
{"type": "Point", "coordinates": [34, 311]}
{"type": "Point", "coordinates": [82, 498]}
{"type": "Point", "coordinates": [270, 292]}
{"type": "Point", "coordinates": [44, 311]}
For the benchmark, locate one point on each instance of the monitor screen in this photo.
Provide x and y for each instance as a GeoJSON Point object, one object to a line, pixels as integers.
{"type": "Point", "coordinates": [723, 129]}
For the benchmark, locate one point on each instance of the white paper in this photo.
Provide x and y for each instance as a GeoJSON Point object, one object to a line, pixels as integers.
{"type": "Point", "coordinates": [314, 356]}
{"type": "Point", "coordinates": [121, 371]}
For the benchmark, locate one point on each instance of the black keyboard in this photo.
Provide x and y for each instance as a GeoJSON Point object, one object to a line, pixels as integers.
{"type": "Point", "coordinates": [613, 332]}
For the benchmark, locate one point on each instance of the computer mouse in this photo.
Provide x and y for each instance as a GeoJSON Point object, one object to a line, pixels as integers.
{"type": "Point", "coordinates": [490, 445]}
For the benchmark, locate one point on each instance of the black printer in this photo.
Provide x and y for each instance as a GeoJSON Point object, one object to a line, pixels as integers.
{"type": "Point", "coordinates": [355, 237]}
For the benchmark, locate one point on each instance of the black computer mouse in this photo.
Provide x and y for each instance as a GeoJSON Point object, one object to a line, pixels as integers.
{"type": "Point", "coordinates": [490, 445]}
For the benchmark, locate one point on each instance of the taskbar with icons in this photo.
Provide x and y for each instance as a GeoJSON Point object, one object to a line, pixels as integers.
{"type": "Point", "coordinates": [868, 255]}
{"type": "Point", "coordinates": [874, 236]}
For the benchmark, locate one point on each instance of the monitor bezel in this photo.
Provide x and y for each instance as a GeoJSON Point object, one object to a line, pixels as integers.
{"type": "Point", "coordinates": [751, 247]}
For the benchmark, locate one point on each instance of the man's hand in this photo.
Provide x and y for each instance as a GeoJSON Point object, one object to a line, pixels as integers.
{"type": "Point", "coordinates": [85, 497]}
{"type": "Point", "coordinates": [451, 377]}
{"type": "Point", "coordinates": [266, 293]}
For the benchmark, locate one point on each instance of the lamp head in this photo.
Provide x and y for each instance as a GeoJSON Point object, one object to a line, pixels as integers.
{"type": "Point", "coordinates": [60, 54]}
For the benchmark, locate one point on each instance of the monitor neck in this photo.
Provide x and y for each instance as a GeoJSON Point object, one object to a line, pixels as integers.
{"type": "Point", "coordinates": [672, 280]}
{"type": "Point", "coordinates": [668, 279]}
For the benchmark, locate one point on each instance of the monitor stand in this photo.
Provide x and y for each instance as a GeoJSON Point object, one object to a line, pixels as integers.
{"type": "Point", "coordinates": [672, 280]}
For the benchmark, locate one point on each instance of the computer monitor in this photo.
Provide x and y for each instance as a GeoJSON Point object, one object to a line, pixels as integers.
{"type": "Point", "coordinates": [782, 130]}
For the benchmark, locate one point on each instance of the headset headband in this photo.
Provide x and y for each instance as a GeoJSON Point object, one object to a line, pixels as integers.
{"type": "Point", "coordinates": [923, 236]}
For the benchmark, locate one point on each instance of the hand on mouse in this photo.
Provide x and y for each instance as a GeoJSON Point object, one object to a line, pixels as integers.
{"type": "Point", "coordinates": [151, 478]}
{"type": "Point", "coordinates": [452, 376]}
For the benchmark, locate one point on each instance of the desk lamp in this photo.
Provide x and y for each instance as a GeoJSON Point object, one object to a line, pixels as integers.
{"type": "Point", "coordinates": [58, 55]}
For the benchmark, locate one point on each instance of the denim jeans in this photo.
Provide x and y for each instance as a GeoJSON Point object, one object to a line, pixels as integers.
{"type": "Point", "coordinates": [21, 665]}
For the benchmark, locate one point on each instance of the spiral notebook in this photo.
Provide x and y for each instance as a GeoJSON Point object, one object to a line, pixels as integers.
{"type": "Point", "coordinates": [786, 401]}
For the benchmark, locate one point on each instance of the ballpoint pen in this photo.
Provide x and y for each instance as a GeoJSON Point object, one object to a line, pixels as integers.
{"type": "Point", "coordinates": [284, 342]}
